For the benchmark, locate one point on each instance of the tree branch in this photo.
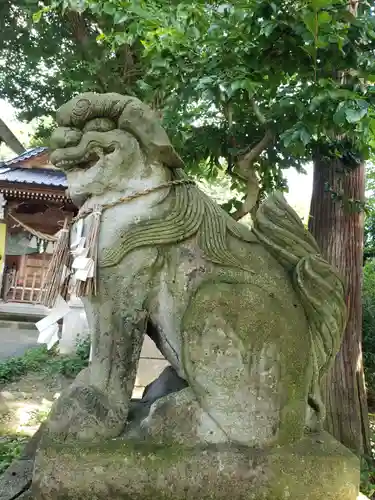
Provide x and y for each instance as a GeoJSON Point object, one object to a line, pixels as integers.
{"type": "Point", "coordinates": [82, 36]}
{"type": "Point", "coordinates": [261, 118]}
{"type": "Point", "coordinates": [247, 172]}
{"type": "Point", "coordinates": [79, 28]}
{"type": "Point", "coordinates": [247, 160]}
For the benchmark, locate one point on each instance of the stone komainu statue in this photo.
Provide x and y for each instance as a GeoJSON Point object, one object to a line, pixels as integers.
{"type": "Point", "coordinates": [249, 319]}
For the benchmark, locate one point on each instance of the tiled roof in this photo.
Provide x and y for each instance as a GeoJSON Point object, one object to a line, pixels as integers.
{"type": "Point", "coordinates": [31, 153]}
{"type": "Point", "coordinates": [39, 176]}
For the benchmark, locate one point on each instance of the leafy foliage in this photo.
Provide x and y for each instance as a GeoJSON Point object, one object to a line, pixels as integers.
{"type": "Point", "coordinates": [10, 448]}
{"type": "Point", "coordinates": [45, 59]}
{"type": "Point", "coordinates": [369, 324]}
{"type": "Point", "coordinates": [367, 485]}
{"type": "Point", "coordinates": [283, 55]}
{"type": "Point", "coordinates": [221, 75]}
{"type": "Point", "coordinates": [13, 368]}
{"type": "Point", "coordinates": [70, 366]}
{"type": "Point", "coordinates": [38, 359]}
{"type": "Point", "coordinates": [43, 131]}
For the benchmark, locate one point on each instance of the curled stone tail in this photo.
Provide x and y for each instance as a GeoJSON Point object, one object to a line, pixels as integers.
{"type": "Point", "coordinates": [319, 287]}
{"type": "Point", "coordinates": [280, 229]}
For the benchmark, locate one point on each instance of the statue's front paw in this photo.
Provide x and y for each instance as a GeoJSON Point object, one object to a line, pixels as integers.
{"type": "Point", "coordinates": [84, 413]}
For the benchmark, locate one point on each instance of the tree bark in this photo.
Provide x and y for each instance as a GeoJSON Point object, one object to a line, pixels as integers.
{"type": "Point", "coordinates": [338, 230]}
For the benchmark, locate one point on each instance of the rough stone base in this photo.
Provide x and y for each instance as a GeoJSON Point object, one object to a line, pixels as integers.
{"type": "Point", "coordinates": [316, 468]}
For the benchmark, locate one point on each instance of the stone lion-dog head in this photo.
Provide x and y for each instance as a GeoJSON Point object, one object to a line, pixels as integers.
{"type": "Point", "coordinates": [100, 135]}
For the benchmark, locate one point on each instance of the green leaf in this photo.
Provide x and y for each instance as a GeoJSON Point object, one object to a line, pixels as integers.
{"type": "Point", "coordinates": [321, 43]}
{"type": "Point", "coordinates": [317, 100]}
{"type": "Point", "coordinates": [268, 28]}
{"type": "Point", "coordinates": [109, 8]}
{"type": "Point", "coordinates": [310, 49]}
{"type": "Point", "coordinates": [139, 11]}
{"type": "Point", "coordinates": [37, 16]}
{"type": "Point", "coordinates": [287, 137]}
{"type": "Point", "coordinates": [348, 16]}
{"type": "Point", "coordinates": [362, 104]}
{"type": "Point", "coordinates": [354, 115]}
{"type": "Point", "coordinates": [120, 17]}
{"type": "Point", "coordinates": [310, 22]}
{"type": "Point", "coordinates": [237, 84]}
{"type": "Point", "coordinates": [340, 115]}
{"type": "Point", "coordinates": [305, 136]}
{"type": "Point", "coordinates": [324, 17]}
{"type": "Point", "coordinates": [160, 63]}
{"type": "Point", "coordinates": [320, 4]}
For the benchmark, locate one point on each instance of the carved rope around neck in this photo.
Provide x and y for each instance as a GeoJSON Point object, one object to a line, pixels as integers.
{"type": "Point", "coordinates": [125, 199]}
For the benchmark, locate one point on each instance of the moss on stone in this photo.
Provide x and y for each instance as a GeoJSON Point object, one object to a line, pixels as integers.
{"type": "Point", "coordinates": [315, 468]}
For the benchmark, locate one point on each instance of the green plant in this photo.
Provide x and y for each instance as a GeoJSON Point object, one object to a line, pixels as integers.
{"type": "Point", "coordinates": [369, 327]}
{"type": "Point", "coordinates": [39, 359]}
{"type": "Point", "coordinates": [367, 486]}
{"type": "Point", "coordinates": [40, 415]}
{"type": "Point", "coordinates": [70, 366]}
{"type": "Point", "coordinates": [10, 448]}
{"type": "Point", "coordinates": [33, 360]}
{"type": "Point", "coordinates": [83, 349]}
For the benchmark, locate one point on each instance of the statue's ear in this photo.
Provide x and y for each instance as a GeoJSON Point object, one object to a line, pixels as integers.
{"type": "Point", "coordinates": [139, 120]}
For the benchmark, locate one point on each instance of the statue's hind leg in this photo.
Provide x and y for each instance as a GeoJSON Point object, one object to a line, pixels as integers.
{"type": "Point", "coordinates": [245, 364]}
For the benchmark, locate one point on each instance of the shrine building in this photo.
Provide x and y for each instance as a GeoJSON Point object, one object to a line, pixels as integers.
{"type": "Point", "coordinates": [33, 207]}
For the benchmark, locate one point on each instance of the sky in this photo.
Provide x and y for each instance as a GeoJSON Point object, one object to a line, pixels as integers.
{"type": "Point", "coordinates": [22, 131]}
{"type": "Point", "coordinates": [300, 185]}
{"type": "Point", "coordinates": [300, 190]}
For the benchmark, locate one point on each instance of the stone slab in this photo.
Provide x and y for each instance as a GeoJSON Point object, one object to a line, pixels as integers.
{"type": "Point", "coordinates": [315, 468]}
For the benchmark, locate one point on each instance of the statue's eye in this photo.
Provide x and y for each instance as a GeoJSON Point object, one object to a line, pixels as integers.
{"type": "Point", "coordinates": [110, 149]}
{"type": "Point", "coordinates": [65, 137]}
{"type": "Point", "coordinates": [99, 125]}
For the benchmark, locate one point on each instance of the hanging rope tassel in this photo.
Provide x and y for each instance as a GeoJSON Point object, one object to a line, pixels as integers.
{"type": "Point", "coordinates": [89, 286]}
{"type": "Point", "coordinates": [76, 270]}
{"type": "Point", "coordinates": [56, 279]}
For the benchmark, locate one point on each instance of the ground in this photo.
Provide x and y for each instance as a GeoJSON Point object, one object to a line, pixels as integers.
{"type": "Point", "coordinates": [14, 342]}
{"type": "Point", "coordinates": [29, 384]}
{"type": "Point", "coordinates": [23, 405]}
{"type": "Point", "coordinates": [25, 401]}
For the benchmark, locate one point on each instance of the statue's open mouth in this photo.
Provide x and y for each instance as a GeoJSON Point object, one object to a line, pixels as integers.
{"type": "Point", "coordinates": [88, 152]}
{"type": "Point", "coordinates": [87, 161]}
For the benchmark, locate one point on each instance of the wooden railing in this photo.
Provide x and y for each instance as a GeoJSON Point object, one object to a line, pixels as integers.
{"type": "Point", "coordinates": [25, 288]}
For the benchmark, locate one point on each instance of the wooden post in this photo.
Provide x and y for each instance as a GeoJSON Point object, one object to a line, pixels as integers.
{"type": "Point", "coordinates": [15, 280]}
{"type": "Point", "coordinates": [32, 289]}
{"type": "Point", "coordinates": [3, 232]}
{"type": "Point", "coordinates": [24, 284]}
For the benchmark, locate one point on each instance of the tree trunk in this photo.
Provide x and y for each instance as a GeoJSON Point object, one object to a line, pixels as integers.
{"type": "Point", "coordinates": [338, 230]}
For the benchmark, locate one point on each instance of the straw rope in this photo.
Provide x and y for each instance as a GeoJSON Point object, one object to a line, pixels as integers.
{"type": "Point", "coordinates": [57, 282]}
{"type": "Point", "coordinates": [126, 199]}
{"type": "Point", "coordinates": [34, 232]}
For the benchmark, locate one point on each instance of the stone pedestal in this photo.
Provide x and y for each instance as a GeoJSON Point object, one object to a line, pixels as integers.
{"type": "Point", "coordinates": [315, 468]}
{"type": "Point", "coordinates": [74, 326]}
